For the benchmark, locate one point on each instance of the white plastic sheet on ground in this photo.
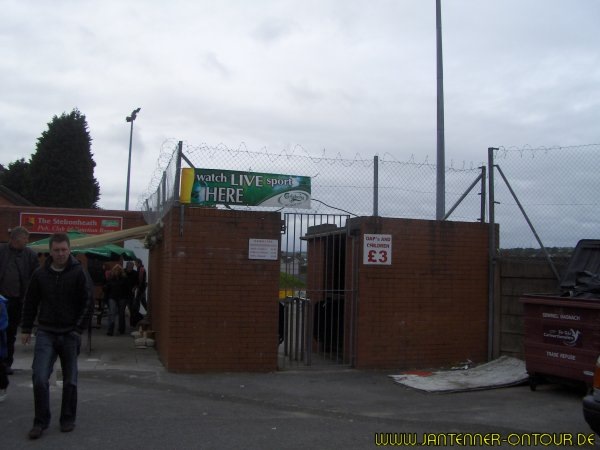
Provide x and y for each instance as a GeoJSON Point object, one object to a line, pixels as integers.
{"type": "Point", "coordinates": [502, 372]}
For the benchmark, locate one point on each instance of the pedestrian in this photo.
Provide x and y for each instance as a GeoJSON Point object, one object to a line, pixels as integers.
{"type": "Point", "coordinates": [132, 301]}
{"type": "Point", "coordinates": [142, 284]}
{"type": "Point", "coordinates": [3, 347]}
{"type": "Point", "coordinates": [118, 293]}
{"type": "Point", "coordinates": [106, 274]}
{"type": "Point", "coordinates": [17, 263]}
{"type": "Point", "coordinates": [60, 296]}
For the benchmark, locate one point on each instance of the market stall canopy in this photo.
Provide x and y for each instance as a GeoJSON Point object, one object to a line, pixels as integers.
{"type": "Point", "coordinates": [107, 251]}
{"type": "Point", "coordinates": [100, 245]}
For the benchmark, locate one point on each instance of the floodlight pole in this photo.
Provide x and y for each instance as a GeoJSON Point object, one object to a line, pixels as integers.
{"type": "Point", "coordinates": [440, 207]}
{"type": "Point", "coordinates": [130, 119]}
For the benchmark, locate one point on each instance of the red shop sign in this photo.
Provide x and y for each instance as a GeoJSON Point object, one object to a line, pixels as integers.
{"type": "Point", "coordinates": [61, 223]}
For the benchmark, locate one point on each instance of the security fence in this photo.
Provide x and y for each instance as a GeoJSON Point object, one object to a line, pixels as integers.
{"type": "Point", "coordinates": [558, 188]}
{"type": "Point", "coordinates": [549, 192]}
{"type": "Point", "coordinates": [405, 188]}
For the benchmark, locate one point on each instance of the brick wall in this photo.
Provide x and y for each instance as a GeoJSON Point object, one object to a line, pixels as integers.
{"type": "Point", "coordinates": [429, 307]}
{"type": "Point", "coordinates": [214, 309]}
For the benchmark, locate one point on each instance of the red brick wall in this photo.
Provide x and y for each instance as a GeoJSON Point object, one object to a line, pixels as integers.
{"type": "Point", "coordinates": [159, 277]}
{"type": "Point", "coordinates": [429, 307]}
{"type": "Point", "coordinates": [214, 309]}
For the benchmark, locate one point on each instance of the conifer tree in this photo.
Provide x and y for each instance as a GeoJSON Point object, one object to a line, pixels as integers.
{"type": "Point", "coordinates": [16, 178]}
{"type": "Point", "coordinates": [62, 168]}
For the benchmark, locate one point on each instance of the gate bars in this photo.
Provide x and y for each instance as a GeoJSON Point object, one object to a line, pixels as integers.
{"type": "Point", "coordinates": [317, 301]}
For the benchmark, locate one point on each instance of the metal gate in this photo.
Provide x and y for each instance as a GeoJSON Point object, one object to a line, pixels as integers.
{"type": "Point", "coordinates": [317, 305]}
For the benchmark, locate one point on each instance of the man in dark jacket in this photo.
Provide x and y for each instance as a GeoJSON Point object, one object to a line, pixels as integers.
{"type": "Point", "coordinates": [60, 295]}
{"type": "Point", "coordinates": [17, 263]}
{"type": "Point", "coordinates": [142, 283]}
{"type": "Point", "coordinates": [132, 301]}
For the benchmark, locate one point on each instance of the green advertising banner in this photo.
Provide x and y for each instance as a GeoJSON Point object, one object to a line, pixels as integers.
{"type": "Point", "coordinates": [231, 187]}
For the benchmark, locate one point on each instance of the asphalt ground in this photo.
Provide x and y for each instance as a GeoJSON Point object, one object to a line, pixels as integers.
{"type": "Point", "coordinates": [127, 400]}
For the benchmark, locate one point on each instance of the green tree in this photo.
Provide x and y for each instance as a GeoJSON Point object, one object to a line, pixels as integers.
{"type": "Point", "coordinates": [62, 168]}
{"type": "Point", "coordinates": [17, 178]}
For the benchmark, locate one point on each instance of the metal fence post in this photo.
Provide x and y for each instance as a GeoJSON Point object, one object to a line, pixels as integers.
{"type": "Point", "coordinates": [483, 194]}
{"type": "Point", "coordinates": [177, 171]}
{"type": "Point", "coordinates": [531, 227]}
{"type": "Point", "coordinates": [492, 254]}
{"type": "Point", "coordinates": [375, 186]}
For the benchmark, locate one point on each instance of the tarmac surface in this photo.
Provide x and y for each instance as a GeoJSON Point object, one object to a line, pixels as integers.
{"type": "Point", "coordinates": [127, 400]}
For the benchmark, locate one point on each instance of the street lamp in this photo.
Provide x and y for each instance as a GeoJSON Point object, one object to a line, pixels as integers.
{"type": "Point", "coordinates": [130, 119]}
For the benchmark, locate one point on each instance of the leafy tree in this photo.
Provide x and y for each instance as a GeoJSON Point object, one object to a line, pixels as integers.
{"type": "Point", "coordinates": [62, 169]}
{"type": "Point", "coordinates": [289, 281]}
{"type": "Point", "coordinates": [17, 178]}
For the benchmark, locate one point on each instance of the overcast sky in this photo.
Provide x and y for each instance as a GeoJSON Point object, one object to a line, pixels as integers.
{"type": "Point", "coordinates": [347, 76]}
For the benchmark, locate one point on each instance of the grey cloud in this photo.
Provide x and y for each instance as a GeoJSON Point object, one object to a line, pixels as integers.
{"type": "Point", "coordinates": [213, 64]}
{"type": "Point", "coordinates": [303, 91]}
{"type": "Point", "coordinates": [273, 30]}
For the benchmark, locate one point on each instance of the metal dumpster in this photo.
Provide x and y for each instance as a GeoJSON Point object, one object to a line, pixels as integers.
{"type": "Point", "coordinates": [562, 330]}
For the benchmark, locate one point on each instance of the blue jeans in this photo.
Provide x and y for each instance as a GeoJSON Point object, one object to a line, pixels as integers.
{"type": "Point", "coordinates": [49, 346]}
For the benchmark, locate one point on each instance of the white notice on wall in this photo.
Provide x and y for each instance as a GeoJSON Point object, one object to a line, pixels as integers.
{"type": "Point", "coordinates": [263, 249]}
{"type": "Point", "coordinates": [377, 249]}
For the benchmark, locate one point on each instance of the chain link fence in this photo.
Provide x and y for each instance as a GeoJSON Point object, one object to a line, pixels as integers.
{"type": "Point", "coordinates": [556, 187]}
{"type": "Point", "coordinates": [405, 189]}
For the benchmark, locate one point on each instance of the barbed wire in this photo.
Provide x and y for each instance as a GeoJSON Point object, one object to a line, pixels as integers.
{"type": "Point", "coordinates": [558, 188]}
{"type": "Point", "coordinates": [552, 183]}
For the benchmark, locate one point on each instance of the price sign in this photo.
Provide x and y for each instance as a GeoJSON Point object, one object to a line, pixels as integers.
{"type": "Point", "coordinates": [377, 249]}
{"type": "Point", "coordinates": [263, 249]}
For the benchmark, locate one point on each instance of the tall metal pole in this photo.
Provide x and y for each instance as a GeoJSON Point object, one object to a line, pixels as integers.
{"type": "Point", "coordinates": [441, 159]}
{"type": "Point", "coordinates": [491, 255]}
{"type": "Point", "coordinates": [375, 185]}
{"type": "Point", "coordinates": [130, 119]}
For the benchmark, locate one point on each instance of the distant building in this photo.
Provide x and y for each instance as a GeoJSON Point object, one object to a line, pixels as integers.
{"type": "Point", "coordinates": [11, 198]}
{"type": "Point", "coordinates": [293, 263]}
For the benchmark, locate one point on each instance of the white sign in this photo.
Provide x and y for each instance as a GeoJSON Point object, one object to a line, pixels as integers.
{"type": "Point", "coordinates": [263, 249]}
{"type": "Point", "coordinates": [377, 249]}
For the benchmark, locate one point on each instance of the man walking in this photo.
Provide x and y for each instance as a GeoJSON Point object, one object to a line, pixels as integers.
{"type": "Point", "coordinates": [132, 301]}
{"type": "Point", "coordinates": [60, 295]}
{"type": "Point", "coordinates": [17, 263]}
{"type": "Point", "coordinates": [142, 284]}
